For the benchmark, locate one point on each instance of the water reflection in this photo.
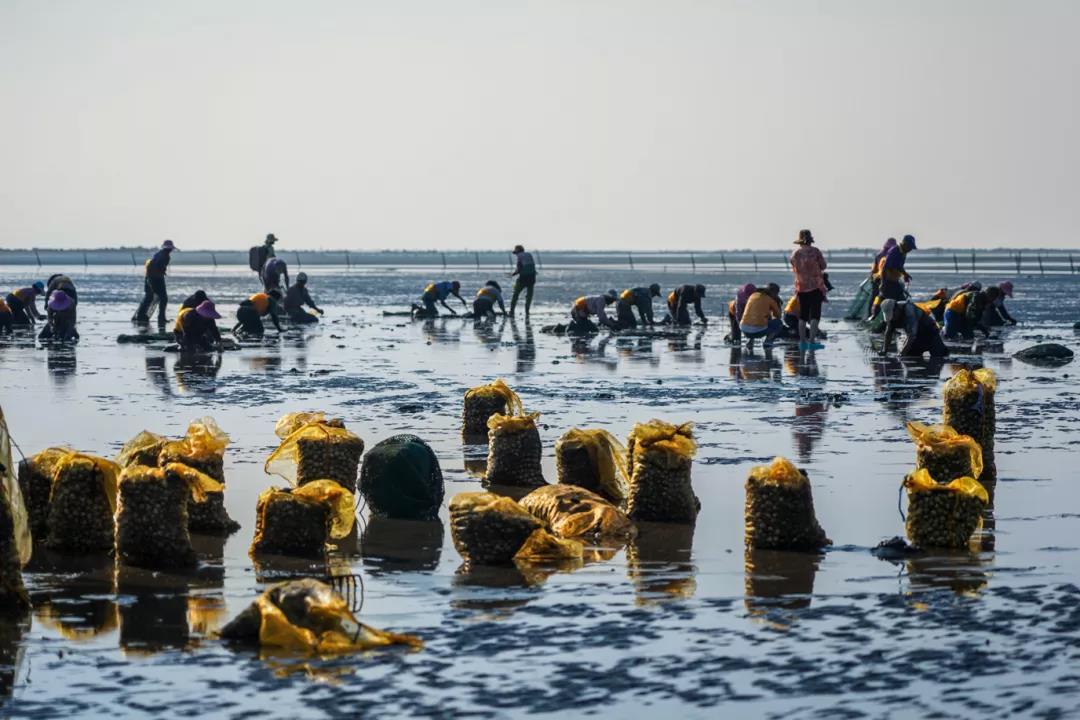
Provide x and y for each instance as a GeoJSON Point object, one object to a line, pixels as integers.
{"type": "Point", "coordinates": [475, 464]}
{"type": "Point", "coordinates": [157, 372]}
{"type": "Point", "coordinates": [489, 331]}
{"type": "Point", "coordinates": [586, 353]}
{"type": "Point", "coordinates": [472, 585]}
{"type": "Point", "coordinates": [899, 384]}
{"type": "Point", "coordinates": [800, 363]}
{"type": "Point", "coordinates": [389, 545]}
{"type": "Point", "coordinates": [526, 345]}
{"type": "Point", "coordinates": [751, 367]}
{"type": "Point", "coordinates": [445, 329]}
{"type": "Point", "coordinates": [153, 609]}
{"type": "Point", "coordinates": [808, 428]}
{"type": "Point", "coordinates": [269, 363]}
{"type": "Point", "coordinates": [660, 563]}
{"type": "Point", "coordinates": [961, 572]}
{"type": "Point", "coordinates": [74, 595]}
{"type": "Point", "coordinates": [197, 372]}
{"type": "Point", "coordinates": [779, 580]}
{"type": "Point", "coordinates": [12, 630]}
{"type": "Point", "coordinates": [61, 362]}
{"type": "Point", "coordinates": [686, 348]}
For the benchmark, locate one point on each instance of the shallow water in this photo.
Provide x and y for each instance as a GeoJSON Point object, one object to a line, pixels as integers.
{"type": "Point", "coordinates": [682, 621]}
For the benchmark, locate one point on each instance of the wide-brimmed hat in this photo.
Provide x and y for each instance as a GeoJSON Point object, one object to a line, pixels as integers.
{"type": "Point", "coordinates": [207, 310]}
{"type": "Point", "coordinates": [805, 238]}
{"type": "Point", "coordinates": [168, 245]}
{"type": "Point", "coordinates": [60, 301]}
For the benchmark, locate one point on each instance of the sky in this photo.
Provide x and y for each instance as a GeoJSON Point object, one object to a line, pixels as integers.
{"type": "Point", "coordinates": [581, 124]}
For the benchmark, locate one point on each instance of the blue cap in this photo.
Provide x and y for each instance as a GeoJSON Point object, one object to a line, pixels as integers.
{"type": "Point", "coordinates": [39, 286]}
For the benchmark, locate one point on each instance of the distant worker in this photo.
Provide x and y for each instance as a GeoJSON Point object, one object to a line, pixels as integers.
{"type": "Point", "coordinates": [61, 323]}
{"type": "Point", "coordinates": [586, 306]}
{"type": "Point", "coordinates": [196, 328]}
{"type": "Point", "coordinates": [956, 312]}
{"type": "Point", "coordinates": [791, 316]}
{"type": "Point", "coordinates": [639, 298]}
{"type": "Point", "coordinates": [995, 315]}
{"type": "Point", "coordinates": [5, 318]}
{"type": "Point", "coordinates": [23, 304]}
{"type": "Point", "coordinates": [808, 265]}
{"type": "Point", "coordinates": [194, 300]}
{"type": "Point", "coordinates": [680, 300]}
{"type": "Point", "coordinates": [875, 273]}
{"type": "Point", "coordinates": [60, 281]}
{"type": "Point", "coordinates": [736, 308]}
{"type": "Point", "coordinates": [921, 331]}
{"type": "Point", "coordinates": [438, 292]}
{"type": "Point", "coordinates": [259, 254]}
{"type": "Point", "coordinates": [525, 270]}
{"type": "Point", "coordinates": [296, 297]}
{"type": "Point", "coordinates": [154, 285]}
{"type": "Point", "coordinates": [936, 305]}
{"type": "Point", "coordinates": [251, 312]}
{"type": "Point", "coordinates": [893, 275]}
{"type": "Point", "coordinates": [761, 318]}
{"type": "Point", "coordinates": [486, 298]}
{"type": "Point", "coordinates": [274, 270]}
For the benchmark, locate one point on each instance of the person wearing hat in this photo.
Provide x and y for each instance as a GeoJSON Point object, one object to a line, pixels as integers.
{"type": "Point", "coordinates": [486, 297]}
{"type": "Point", "coordinates": [639, 298]}
{"type": "Point", "coordinates": [438, 292]}
{"type": "Point", "coordinates": [61, 322]}
{"type": "Point", "coordinates": [586, 306]}
{"type": "Point", "coordinates": [194, 300]}
{"type": "Point", "coordinates": [680, 300]}
{"type": "Point", "coordinates": [23, 306]}
{"type": "Point", "coordinates": [893, 275]}
{"type": "Point", "coordinates": [274, 270]}
{"type": "Point", "coordinates": [296, 297]}
{"type": "Point", "coordinates": [995, 314]}
{"type": "Point", "coordinates": [922, 334]}
{"type": "Point", "coordinates": [808, 264]}
{"type": "Point", "coordinates": [251, 312]}
{"type": "Point", "coordinates": [761, 318]}
{"type": "Point", "coordinates": [525, 270]}
{"type": "Point", "coordinates": [196, 328]}
{"type": "Point", "coordinates": [154, 284]}
{"type": "Point", "coordinates": [60, 281]}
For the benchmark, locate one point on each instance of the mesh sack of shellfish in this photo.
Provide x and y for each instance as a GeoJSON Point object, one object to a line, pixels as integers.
{"type": "Point", "coordinates": [489, 529]}
{"type": "Point", "coordinates": [779, 512]}
{"type": "Point", "coordinates": [300, 521]}
{"type": "Point", "coordinates": [969, 409]}
{"type": "Point", "coordinates": [572, 511]}
{"type": "Point", "coordinates": [15, 543]}
{"type": "Point", "coordinates": [484, 401]}
{"type": "Point", "coordinates": [143, 449]}
{"type": "Point", "coordinates": [661, 457]}
{"type": "Point", "coordinates": [203, 448]}
{"type": "Point", "coordinates": [593, 459]}
{"type": "Point", "coordinates": [152, 517]}
{"type": "Point", "coordinates": [35, 483]}
{"type": "Point", "coordinates": [81, 507]}
{"type": "Point", "coordinates": [943, 516]}
{"type": "Point", "coordinates": [206, 515]}
{"type": "Point", "coordinates": [401, 478]}
{"type": "Point", "coordinates": [945, 453]}
{"type": "Point", "coordinates": [514, 451]}
{"type": "Point", "coordinates": [318, 451]}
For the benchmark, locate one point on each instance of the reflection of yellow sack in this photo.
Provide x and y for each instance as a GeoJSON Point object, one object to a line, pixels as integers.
{"type": "Point", "coordinates": [338, 500]}
{"type": "Point", "coordinates": [510, 424]}
{"type": "Point", "coordinates": [285, 462]}
{"type": "Point", "coordinates": [11, 494]}
{"type": "Point", "coordinates": [944, 440]}
{"type": "Point", "coordinates": [780, 471]}
{"type": "Point", "coordinates": [542, 546]}
{"type": "Point", "coordinates": [662, 442]}
{"type": "Point", "coordinates": [608, 456]}
{"type": "Point", "coordinates": [143, 449]}
{"type": "Point", "coordinates": [498, 389]}
{"type": "Point", "coordinates": [108, 471]}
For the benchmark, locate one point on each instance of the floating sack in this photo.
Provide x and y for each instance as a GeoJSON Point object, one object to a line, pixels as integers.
{"type": "Point", "coordinates": [15, 542]}
{"type": "Point", "coordinates": [594, 460]}
{"type": "Point", "coordinates": [401, 478]}
{"type": "Point", "coordinates": [203, 448]}
{"type": "Point", "coordinates": [489, 529]}
{"type": "Point", "coordinates": [317, 451]}
{"type": "Point", "coordinates": [308, 616]}
{"type": "Point", "coordinates": [943, 516]}
{"type": "Point", "coordinates": [35, 483]}
{"type": "Point", "coordinates": [143, 449]}
{"type": "Point", "coordinates": [151, 515]}
{"type": "Point", "coordinates": [299, 521]}
{"type": "Point", "coordinates": [514, 451]}
{"type": "Point", "coordinates": [660, 457]}
{"type": "Point", "coordinates": [945, 453]}
{"type": "Point", "coordinates": [780, 509]}
{"type": "Point", "coordinates": [969, 409]}
{"type": "Point", "coordinates": [543, 547]}
{"type": "Point", "coordinates": [575, 512]}
{"type": "Point", "coordinates": [81, 505]}
{"type": "Point", "coordinates": [483, 402]}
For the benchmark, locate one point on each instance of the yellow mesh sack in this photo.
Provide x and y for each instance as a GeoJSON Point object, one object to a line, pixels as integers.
{"type": "Point", "coordinates": [199, 483]}
{"type": "Point", "coordinates": [109, 472]}
{"type": "Point", "coordinates": [542, 546]}
{"type": "Point", "coordinates": [498, 389]}
{"type": "Point", "coordinates": [291, 422]}
{"type": "Point", "coordinates": [12, 494]}
{"type": "Point", "coordinates": [608, 456]}
{"type": "Point", "coordinates": [205, 438]}
{"type": "Point", "coordinates": [921, 481]}
{"type": "Point", "coordinates": [512, 423]}
{"type": "Point", "coordinates": [780, 471]}
{"type": "Point", "coordinates": [340, 502]}
{"type": "Point", "coordinates": [942, 439]}
{"type": "Point", "coordinates": [284, 461]}
{"type": "Point", "coordinates": [143, 449]}
{"type": "Point", "coordinates": [658, 438]}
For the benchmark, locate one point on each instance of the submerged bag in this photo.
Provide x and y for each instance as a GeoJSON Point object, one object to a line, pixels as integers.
{"type": "Point", "coordinates": [779, 512]}
{"type": "Point", "coordinates": [575, 512]}
{"type": "Point", "coordinates": [594, 460]}
{"type": "Point", "coordinates": [318, 451]}
{"type": "Point", "coordinates": [489, 529]}
{"type": "Point", "coordinates": [660, 456]}
{"type": "Point", "coordinates": [143, 449]}
{"type": "Point", "coordinates": [151, 515]}
{"type": "Point", "coordinates": [484, 401]}
{"type": "Point", "coordinates": [945, 453]}
{"type": "Point", "coordinates": [514, 451]}
{"type": "Point", "coordinates": [969, 409]}
{"type": "Point", "coordinates": [15, 542]}
{"type": "Point", "coordinates": [943, 516]}
{"type": "Point", "coordinates": [35, 482]}
{"type": "Point", "coordinates": [401, 478]}
{"type": "Point", "coordinates": [82, 504]}
{"type": "Point", "coordinates": [300, 521]}
{"type": "Point", "coordinates": [308, 616]}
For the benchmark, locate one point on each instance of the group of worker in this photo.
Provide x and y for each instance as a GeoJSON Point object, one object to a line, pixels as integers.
{"type": "Point", "coordinates": [19, 309]}
{"type": "Point", "coordinates": [487, 297]}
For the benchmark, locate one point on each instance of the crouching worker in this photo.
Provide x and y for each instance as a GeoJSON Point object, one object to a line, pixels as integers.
{"type": "Point", "coordinates": [273, 272]}
{"type": "Point", "coordinates": [61, 319]}
{"type": "Point", "coordinates": [920, 330]}
{"type": "Point", "coordinates": [995, 314]}
{"type": "Point", "coordinates": [196, 329]}
{"type": "Point", "coordinates": [681, 299]}
{"type": "Point", "coordinates": [584, 307]}
{"type": "Point", "coordinates": [296, 297]}
{"type": "Point", "coordinates": [23, 304]}
{"type": "Point", "coordinates": [486, 297]}
{"type": "Point", "coordinates": [639, 298]}
{"type": "Point", "coordinates": [761, 318]}
{"type": "Point", "coordinates": [251, 312]}
{"type": "Point", "coordinates": [438, 292]}
{"type": "Point", "coordinates": [194, 300]}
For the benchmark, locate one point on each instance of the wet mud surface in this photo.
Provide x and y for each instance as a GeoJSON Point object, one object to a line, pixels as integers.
{"type": "Point", "coordinates": [681, 620]}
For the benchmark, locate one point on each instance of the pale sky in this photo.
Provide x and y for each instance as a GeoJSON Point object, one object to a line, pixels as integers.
{"type": "Point", "coordinates": [577, 124]}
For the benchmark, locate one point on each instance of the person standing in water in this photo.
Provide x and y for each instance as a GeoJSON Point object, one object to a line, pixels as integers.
{"type": "Point", "coordinates": [808, 265]}
{"type": "Point", "coordinates": [893, 274]}
{"type": "Point", "coordinates": [154, 284]}
{"type": "Point", "coordinates": [525, 270]}
{"type": "Point", "coordinates": [296, 297]}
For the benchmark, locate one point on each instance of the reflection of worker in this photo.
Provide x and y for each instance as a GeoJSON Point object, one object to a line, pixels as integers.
{"type": "Point", "coordinates": [438, 292]}
{"type": "Point", "coordinates": [639, 298]}
{"type": "Point", "coordinates": [585, 307]}
{"type": "Point", "coordinates": [486, 297]}
{"type": "Point", "coordinates": [61, 322]}
{"type": "Point", "coordinates": [251, 312]}
{"type": "Point", "coordinates": [23, 304]}
{"type": "Point", "coordinates": [681, 299]}
{"type": "Point", "coordinates": [196, 329]}
{"type": "Point", "coordinates": [525, 270]}
{"type": "Point", "coordinates": [154, 284]}
{"type": "Point", "coordinates": [296, 297]}
{"type": "Point", "coordinates": [921, 331]}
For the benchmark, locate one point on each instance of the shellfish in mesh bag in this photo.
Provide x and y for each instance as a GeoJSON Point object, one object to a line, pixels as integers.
{"type": "Point", "coordinates": [489, 529]}
{"type": "Point", "coordinates": [660, 457]}
{"type": "Point", "coordinates": [300, 521]}
{"type": "Point", "coordinates": [969, 409]}
{"type": "Point", "coordinates": [35, 483]}
{"type": "Point", "coordinates": [81, 505]}
{"type": "Point", "coordinates": [484, 401]}
{"type": "Point", "coordinates": [308, 616]}
{"type": "Point", "coordinates": [143, 449]}
{"type": "Point", "coordinates": [943, 516]}
{"type": "Point", "coordinates": [514, 451]}
{"type": "Point", "coordinates": [779, 512]}
{"type": "Point", "coordinates": [289, 423]}
{"type": "Point", "coordinates": [15, 543]}
{"type": "Point", "coordinates": [575, 512]}
{"type": "Point", "coordinates": [203, 448]}
{"type": "Point", "coordinates": [594, 460]}
{"type": "Point", "coordinates": [401, 478]}
{"type": "Point", "coordinates": [151, 516]}
{"type": "Point", "coordinates": [945, 453]}
{"type": "Point", "coordinates": [318, 451]}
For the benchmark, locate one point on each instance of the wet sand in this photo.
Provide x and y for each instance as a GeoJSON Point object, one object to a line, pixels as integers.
{"type": "Point", "coordinates": [682, 621]}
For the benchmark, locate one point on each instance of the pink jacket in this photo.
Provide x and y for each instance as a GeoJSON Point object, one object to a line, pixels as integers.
{"type": "Point", "coordinates": [809, 266]}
